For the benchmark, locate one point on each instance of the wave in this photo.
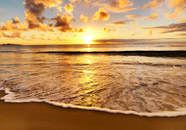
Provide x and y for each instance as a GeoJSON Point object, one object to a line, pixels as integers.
{"type": "Point", "coordinates": [152, 64]}
{"type": "Point", "coordinates": [178, 112]}
{"type": "Point", "coordinates": [180, 53]}
{"type": "Point", "coordinates": [11, 98]}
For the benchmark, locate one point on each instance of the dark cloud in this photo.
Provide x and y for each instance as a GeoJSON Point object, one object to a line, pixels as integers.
{"type": "Point", "coordinates": [33, 7]}
{"type": "Point", "coordinates": [34, 11]}
{"type": "Point", "coordinates": [15, 20]}
{"type": "Point", "coordinates": [172, 28]}
{"type": "Point", "coordinates": [120, 23]}
{"type": "Point", "coordinates": [63, 23]}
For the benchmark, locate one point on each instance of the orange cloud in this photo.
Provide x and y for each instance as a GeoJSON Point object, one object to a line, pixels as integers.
{"type": "Point", "coordinates": [177, 4]}
{"type": "Point", "coordinates": [173, 14]}
{"type": "Point", "coordinates": [47, 3]}
{"type": "Point", "coordinates": [153, 16]}
{"type": "Point", "coordinates": [87, 2]}
{"type": "Point", "coordinates": [150, 32]}
{"type": "Point", "coordinates": [83, 18]}
{"type": "Point", "coordinates": [105, 29]}
{"type": "Point", "coordinates": [134, 25]}
{"type": "Point", "coordinates": [75, 1]}
{"type": "Point", "coordinates": [133, 34]}
{"type": "Point", "coordinates": [14, 25]}
{"type": "Point", "coordinates": [59, 8]}
{"type": "Point", "coordinates": [1, 35]}
{"type": "Point", "coordinates": [179, 7]}
{"type": "Point", "coordinates": [117, 6]}
{"type": "Point", "coordinates": [183, 20]}
{"type": "Point", "coordinates": [101, 14]}
{"type": "Point", "coordinates": [132, 16]}
{"type": "Point", "coordinates": [68, 8]}
{"type": "Point", "coordinates": [12, 35]}
{"type": "Point", "coordinates": [79, 30]}
{"type": "Point", "coordinates": [182, 34]}
{"type": "Point", "coordinates": [153, 4]}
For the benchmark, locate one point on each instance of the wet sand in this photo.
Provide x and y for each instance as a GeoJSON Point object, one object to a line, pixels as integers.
{"type": "Point", "coordinates": [42, 116]}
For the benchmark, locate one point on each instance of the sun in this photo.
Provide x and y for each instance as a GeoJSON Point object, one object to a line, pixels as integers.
{"type": "Point", "coordinates": [88, 39]}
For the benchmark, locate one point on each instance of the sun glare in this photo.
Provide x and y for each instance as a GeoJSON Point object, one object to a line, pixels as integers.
{"type": "Point", "coordinates": [88, 39]}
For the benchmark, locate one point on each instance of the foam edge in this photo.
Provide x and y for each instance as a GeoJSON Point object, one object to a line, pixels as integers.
{"type": "Point", "coordinates": [178, 112]}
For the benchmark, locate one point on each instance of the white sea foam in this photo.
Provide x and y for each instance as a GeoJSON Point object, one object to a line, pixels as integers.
{"type": "Point", "coordinates": [178, 112]}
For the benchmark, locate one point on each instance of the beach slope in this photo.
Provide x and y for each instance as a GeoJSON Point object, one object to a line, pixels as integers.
{"type": "Point", "coordinates": [42, 116]}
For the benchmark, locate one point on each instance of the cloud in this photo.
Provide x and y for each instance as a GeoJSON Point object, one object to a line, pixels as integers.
{"type": "Point", "coordinates": [105, 29]}
{"type": "Point", "coordinates": [14, 25]}
{"type": "Point", "coordinates": [132, 16]}
{"type": "Point", "coordinates": [123, 40]}
{"type": "Point", "coordinates": [173, 14]}
{"type": "Point", "coordinates": [2, 9]}
{"type": "Point", "coordinates": [63, 23]}
{"type": "Point", "coordinates": [78, 30]}
{"type": "Point", "coordinates": [181, 34]}
{"type": "Point", "coordinates": [101, 14]}
{"type": "Point", "coordinates": [16, 20]}
{"type": "Point", "coordinates": [177, 4]}
{"type": "Point", "coordinates": [12, 35]}
{"type": "Point", "coordinates": [68, 8]}
{"type": "Point", "coordinates": [153, 4]}
{"type": "Point", "coordinates": [178, 27]}
{"type": "Point", "coordinates": [35, 9]}
{"type": "Point", "coordinates": [179, 7]}
{"type": "Point", "coordinates": [153, 16]}
{"type": "Point", "coordinates": [150, 32]}
{"type": "Point", "coordinates": [59, 8]}
{"type": "Point", "coordinates": [133, 34]}
{"type": "Point", "coordinates": [75, 1]}
{"type": "Point", "coordinates": [172, 28]}
{"type": "Point", "coordinates": [47, 3]}
{"type": "Point", "coordinates": [83, 18]}
{"type": "Point", "coordinates": [135, 25]}
{"type": "Point", "coordinates": [117, 6]}
{"type": "Point", "coordinates": [87, 2]}
{"type": "Point", "coordinates": [183, 20]}
{"type": "Point", "coordinates": [119, 23]}
{"type": "Point", "coordinates": [32, 21]}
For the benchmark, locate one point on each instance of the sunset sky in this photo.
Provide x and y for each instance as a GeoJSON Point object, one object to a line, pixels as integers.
{"type": "Point", "coordinates": [80, 21]}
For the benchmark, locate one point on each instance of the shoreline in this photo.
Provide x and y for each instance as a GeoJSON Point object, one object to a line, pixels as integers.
{"type": "Point", "coordinates": [45, 116]}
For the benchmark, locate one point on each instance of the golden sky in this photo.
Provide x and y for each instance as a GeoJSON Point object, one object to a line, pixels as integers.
{"type": "Point", "coordinates": [81, 21]}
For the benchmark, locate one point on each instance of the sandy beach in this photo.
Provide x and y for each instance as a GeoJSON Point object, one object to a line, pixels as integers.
{"type": "Point", "coordinates": [42, 116]}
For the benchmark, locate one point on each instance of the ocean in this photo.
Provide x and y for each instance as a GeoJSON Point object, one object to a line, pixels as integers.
{"type": "Point", "coordinates": [147, 79]}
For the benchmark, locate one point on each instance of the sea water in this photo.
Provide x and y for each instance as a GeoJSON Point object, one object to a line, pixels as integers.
{"type": "Point", "coordinates": [149, 85]}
